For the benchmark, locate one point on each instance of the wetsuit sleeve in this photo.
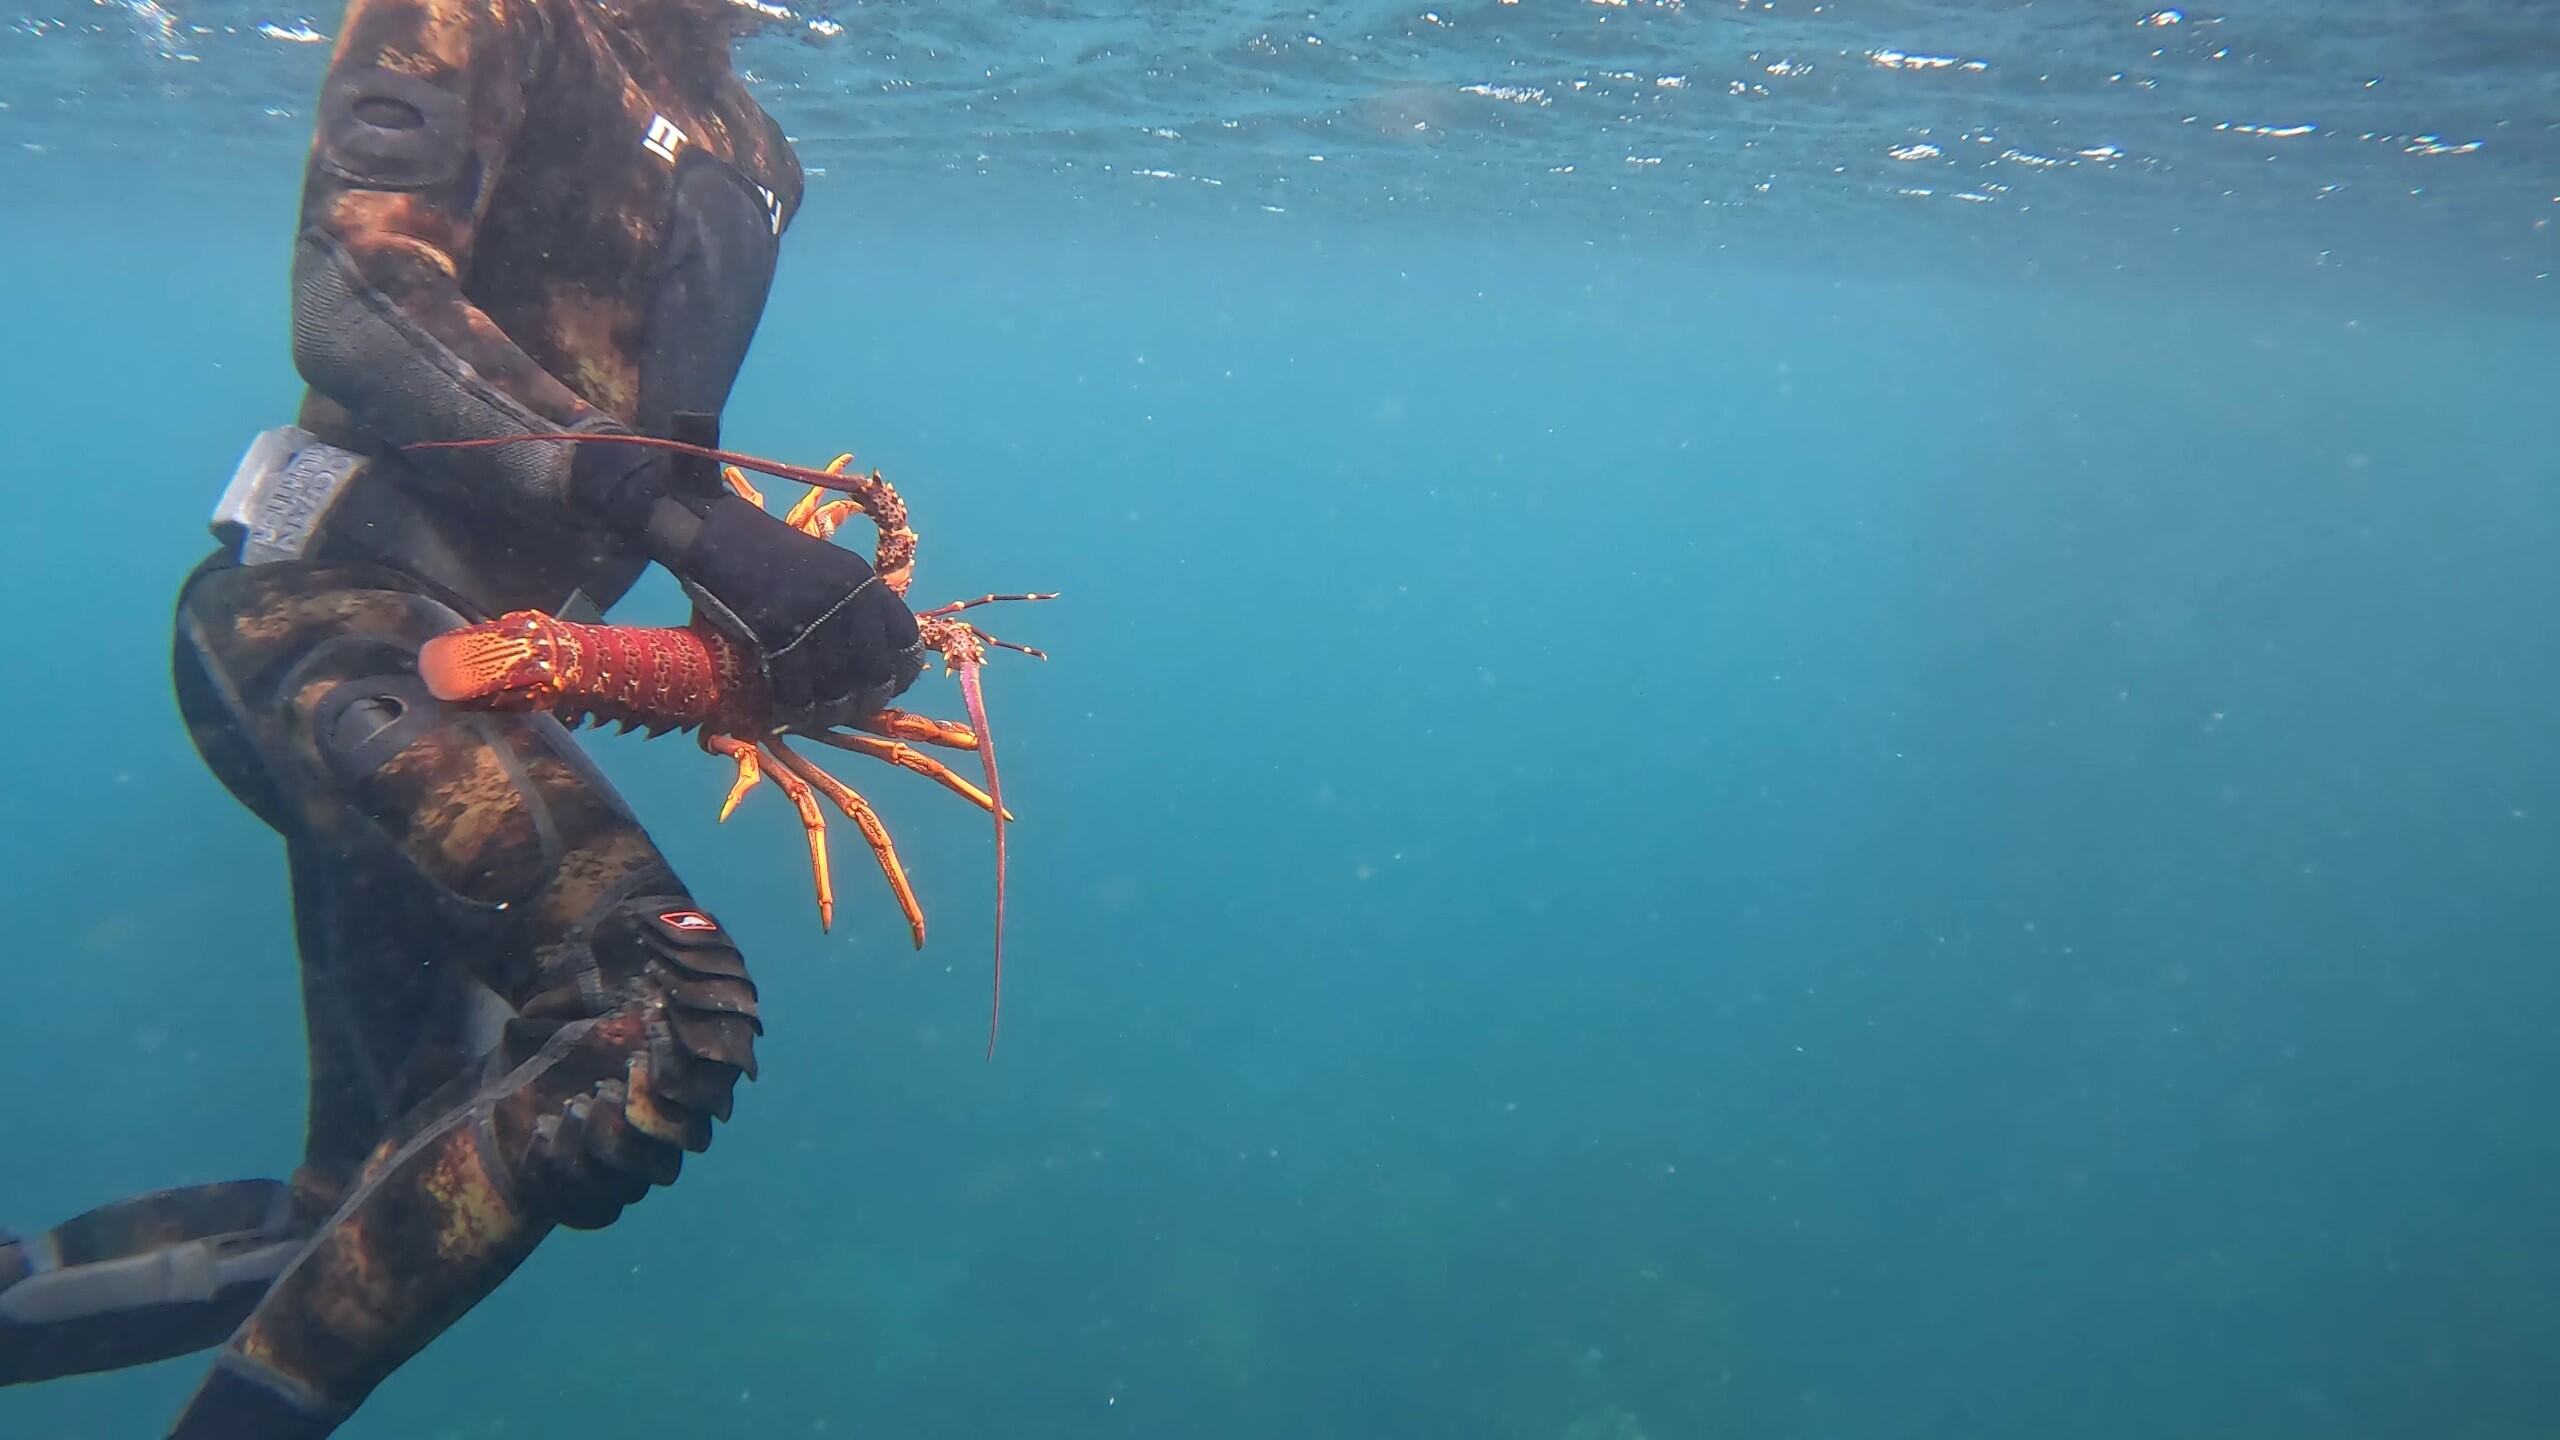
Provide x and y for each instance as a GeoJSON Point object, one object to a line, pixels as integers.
{"type": "Point", "coordinates": [424, 101]}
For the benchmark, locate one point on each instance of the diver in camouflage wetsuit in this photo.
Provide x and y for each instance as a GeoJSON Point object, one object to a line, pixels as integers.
{"type": "Point", "coordinates": [520, 216]}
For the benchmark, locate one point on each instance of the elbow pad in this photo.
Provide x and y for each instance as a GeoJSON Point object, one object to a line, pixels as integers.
{"type": "Point", "coordinates": [384, 130]}
{"type": "Point", "coordinates": [352, 344]}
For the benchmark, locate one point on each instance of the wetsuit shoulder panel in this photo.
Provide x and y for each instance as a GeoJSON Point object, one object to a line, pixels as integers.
{"type": "Point", "coordinates": [424, 104]}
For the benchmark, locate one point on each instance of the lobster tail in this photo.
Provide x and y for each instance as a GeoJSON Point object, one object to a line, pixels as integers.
{"type": "Point", "coordinates": [641, 679]}
{"type": "Point", "coordinates": [487, 664]}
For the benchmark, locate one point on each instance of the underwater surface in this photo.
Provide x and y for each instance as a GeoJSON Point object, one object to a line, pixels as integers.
{"type": "Point", "coordinates": [1795, 720]}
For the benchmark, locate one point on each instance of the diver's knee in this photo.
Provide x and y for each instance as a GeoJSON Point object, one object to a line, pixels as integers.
{"type": "Point", "coordinates": [670, 1028]}
{"type": "Point", "coordinates": [704, 1017]}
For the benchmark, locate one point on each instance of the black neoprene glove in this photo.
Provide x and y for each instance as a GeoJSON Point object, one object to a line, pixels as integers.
{"type": "Point", "coordinates": [835, 644]}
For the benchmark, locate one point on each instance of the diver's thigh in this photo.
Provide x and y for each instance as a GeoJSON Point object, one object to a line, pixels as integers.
{"type": "Point", "coordinates": [501, 823]}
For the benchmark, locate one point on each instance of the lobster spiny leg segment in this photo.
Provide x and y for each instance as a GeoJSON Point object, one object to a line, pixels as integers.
{"type": "Point", "coordinates": [827, 519]}
{"type": "Point", "coordinates": [907, 758]}
{"type": "Point", "coordinates": [797, 517]}
{"type": "Point", "coordinates": [745, 488]}
{"type": "Point", "coordinates": [904, 725]}
{"type": "Point", "coordinates": [859, 811]}
{"type": "Point", "coordinates": [813, 821]}
{"type": "Point", "coordinates": [750, 771]}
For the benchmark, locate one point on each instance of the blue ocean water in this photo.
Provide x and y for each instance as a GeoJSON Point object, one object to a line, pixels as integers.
{"type": "Point", "coordinates": [1663, 808]}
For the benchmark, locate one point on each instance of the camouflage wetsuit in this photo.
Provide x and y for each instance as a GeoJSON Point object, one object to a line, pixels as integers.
{"type": "Point", "coordinates": [519, 216]}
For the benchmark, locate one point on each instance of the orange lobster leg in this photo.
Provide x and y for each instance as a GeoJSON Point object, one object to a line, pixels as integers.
{"type": "Point", "coordinates": [907, 757]}
{"type": "Point", "coordinates": [750, 770]}
{"type": "Point", "coordinates": [859, 811]}
{"type": "Point", "coordinates": [905, 725]}
{"type": "Point", "coordinates": [814, 515]}
{"type": "Point", "coordinates": [812, 820]}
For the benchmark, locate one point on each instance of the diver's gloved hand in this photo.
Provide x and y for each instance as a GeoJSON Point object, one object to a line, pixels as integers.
{"type": "Point", "coordinates": [836, 644]}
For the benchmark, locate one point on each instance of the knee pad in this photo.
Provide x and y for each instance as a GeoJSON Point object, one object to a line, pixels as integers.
{"type": "Point", "coordinates": [668, 1027]}
{"type": "Point", "coordinates": [675, 958]}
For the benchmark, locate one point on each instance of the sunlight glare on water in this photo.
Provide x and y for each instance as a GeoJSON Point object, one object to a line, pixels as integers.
{"type": "Point", "coordinates": [2314, 126]}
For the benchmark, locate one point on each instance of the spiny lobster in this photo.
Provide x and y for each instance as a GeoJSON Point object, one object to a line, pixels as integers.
{"type": "Point", "coordinates": [694, 677]}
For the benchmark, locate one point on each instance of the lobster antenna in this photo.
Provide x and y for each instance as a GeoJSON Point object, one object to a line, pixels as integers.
{"type": "Point", "coordinates": [806, 475]}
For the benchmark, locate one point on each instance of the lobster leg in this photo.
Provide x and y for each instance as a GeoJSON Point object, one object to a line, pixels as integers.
{"type": "Point", "coordinates": [814, 515]}
{"type": "Point", "coordinates": [750, 770]}
{"type": "Point", "coordinates": [906, 757]}
{"type": "Point", "coordinates": [817, 515]}
{"type": "Point", "coordinates": [824, 521]}
{"type": "Point", "coordinates": [903, 725]}
{"type": "Point", "coordinates": [798, 516]}
{"type": "Point", "coordinates": [859, 811]}
{"type": "Point", "coordinates": [813, 821]}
